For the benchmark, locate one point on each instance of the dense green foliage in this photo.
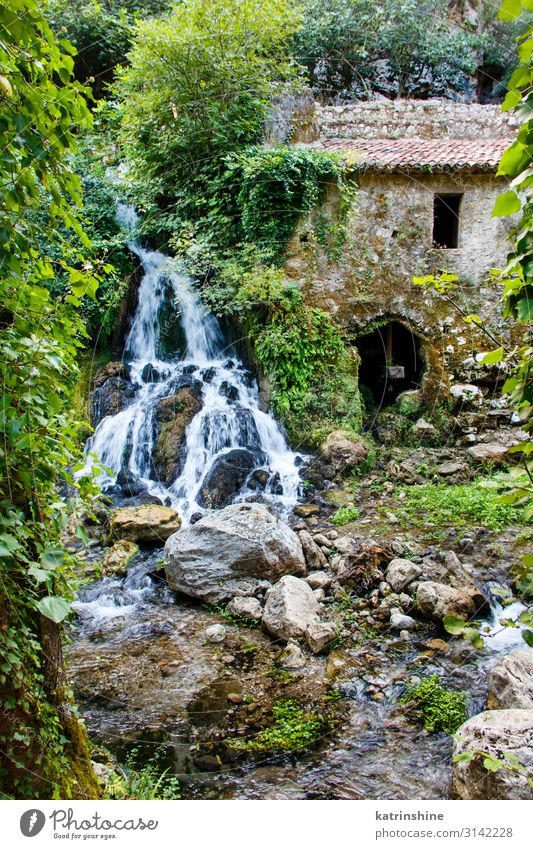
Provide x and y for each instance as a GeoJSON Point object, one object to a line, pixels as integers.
{"type": "Point", "coordinates": [314, 374]}
{"type": "Point", "coordinates": [399, 48]}
{"type": "Point", "coordinates": [196, 89]}
{"type": "Point", "coordinates": [44, 751]}
{"type": "Point", "coordinates": [439, 709]}
{"type": "Point", "coordinates": [102, 32]}
{"type": "Point", "coordinates": [138, 780]}
{"type": "Point", "coordinates": [292, 728]}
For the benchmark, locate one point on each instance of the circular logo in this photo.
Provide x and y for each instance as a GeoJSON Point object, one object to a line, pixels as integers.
{"type": "Point", "coordinates": [32, 822]}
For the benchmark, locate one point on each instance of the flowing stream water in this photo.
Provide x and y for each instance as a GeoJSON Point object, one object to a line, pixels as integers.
{"type": "Point", "coordinates": [230, 417]}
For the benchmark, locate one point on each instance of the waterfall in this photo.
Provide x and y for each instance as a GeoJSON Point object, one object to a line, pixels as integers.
{"type": "Point", "coordinates": [229, 417]}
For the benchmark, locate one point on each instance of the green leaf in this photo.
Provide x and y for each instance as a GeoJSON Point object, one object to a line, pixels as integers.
{"type": "Point", "coordinates": [491, 357]}
{"type": "Point", "coordinates": [52, 557]}
{"type": "Point", "coordinates": [511, 100]}
{"type": "Point", "coordinates": [506, 204]}
{"type": "Point", "coordinates": [453, 624]}
{"type": "Point", "coordinates": [509, 10]}
{"type": "Point", "coordinates": [463, 757]}
{"type": "Point", "coordinates": [40, 575]}
{"type": "Point", "coordinates": [54, 608]}
{"type": "Point", "coordinates": [492, 764]}
{"type": "Point", "coordinates": [527, 636]}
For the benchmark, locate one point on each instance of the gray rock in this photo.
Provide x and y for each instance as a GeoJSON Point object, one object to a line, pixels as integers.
{"type": "Point", "coordinates": [226, 478]}
{"type": "Point", "coordinates": [314, 558]}
{"type": "Point", "coordinates": [320, 636]}
{"type": "Point", "coordinates": [241, 546]}
{"type": "Point", "coordinates": [439, 600]}
{"type": "Point", "coordinates": [401, 622]}
{"type": "Point", "coordinates": [246, 607]}
{"type": "Point", "coordinates": [466, 394]}
{"type": "Point", "coordinates": [341, 451]}
{"type": "Point", "coordinates": [488, 452]}
{"type": "Point", "coordinates": [511, 682]}
{"type": "Point", "coordinates": [292, 657]}
{"type": "Point", "coordinates": [446, 469]}
{"type": "Point", "coordinates": [290, 607]}
{"type": "Point", "coordinates": [318, 580]}
{"type": "Point", "coordinates": [400, 573]}
{"type": "Point", "coordinates": [216, 633]}
{"type": "Point", "coordinates": [448, 569]}
{"type": "Point", "coordinates": [496, 733]}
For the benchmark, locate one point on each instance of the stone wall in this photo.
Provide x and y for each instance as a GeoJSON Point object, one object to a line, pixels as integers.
{"type": "Point", "coordinates": [425, 119]}
{"type": "Point", "coordinates": [389, 240]}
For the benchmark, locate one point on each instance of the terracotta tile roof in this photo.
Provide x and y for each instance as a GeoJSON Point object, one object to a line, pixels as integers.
{"type": "Point", "coordinates": [413, 154]}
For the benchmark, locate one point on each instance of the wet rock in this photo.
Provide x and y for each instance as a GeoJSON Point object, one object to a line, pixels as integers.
{"type": "Point", "coordinates": [216, 633]}
{"type": "Point", "coordinates": [230, 392]}
{"type": "Point", "coordinates": [173, 415]}
{"type": "Point", "coordinates": [196, 518]}
{"type": "Point", "coordinates": [247, 607]}
{"type": "Point", "coordinates": [226, 478]}
{"type": "Point", "coordinates": [320, 636]}
{"type": "Point", "coordinates": [240, 545]}
{"type": "Point", "coordinates": [401, 572]}
{"type": "Point", "coordinates": [435, 601]}
{"type": "Point", "coordinates": [292, 657]}
{"type": "Point", "coordinates": [290, 607]}
{"type": "Point", "coordinates": [117, 557]}
{"type": "Point", "coordinates": [488, 452]}
{"type": "Point", "coordinates": [318, 580]}
{"type": "Point", "coordinates": [343, 452]}
{"type": "Point", "coordinates": [149, 523]}
{"type": "Point", "coordinates": [150, 374]}
{"type": "Point", "coordinates": [112, 392]}
{"type": "Point", "coordinates": [313, 556]}
{"type": "Point", "coordinates": [130, 485]}
{"type": "Point", "coordinates": [306, 510]}
{"type": "Point", "coordinates": [336, 663]}
{"type": "Point", "coordinates": [494, 733]}
{"type": "Point", "coordinates": [511, 682]}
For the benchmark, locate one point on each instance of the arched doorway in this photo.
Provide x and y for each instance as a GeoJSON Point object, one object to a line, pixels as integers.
{"type": "Point", "coordinates": [390, 362]}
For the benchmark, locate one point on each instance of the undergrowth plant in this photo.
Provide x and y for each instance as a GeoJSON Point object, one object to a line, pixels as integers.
{"type": "Point", "coordinates": [292, 728]}
{"type": "Point", "coordinates": [438, 709]}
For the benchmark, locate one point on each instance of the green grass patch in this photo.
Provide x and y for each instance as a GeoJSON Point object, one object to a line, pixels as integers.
{"type": "Point", "coordinates": [461, 506]}
{"type": "Point", "coordinates": [292, 728]}
{"type": "Point", "coordinates": [345, 515]}
{"type": "Point", "coordinates": [439, 709]}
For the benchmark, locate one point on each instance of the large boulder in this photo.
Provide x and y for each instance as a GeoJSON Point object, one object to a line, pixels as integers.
{"type": "Point", "coordinates": [342, 452]}
{"type": "Point", "coordinates": [150, 523]}
{"type": "Point", "coordinates": [226, 477]}
{"type": "Point", "coordinates": [446, 568]}
{"type": "Point", "coordinates": [439, 600]}
{"type": "Point", "coordinates": [495, 734]}
{"type": "Point", "coordinates": [232, 552]}
{"type": "Point", "coordinates": [511, 681]}
{"type": "Point", "coordinates": [173, 416]}
{"type": "Point", "coordinates": [290, 608]}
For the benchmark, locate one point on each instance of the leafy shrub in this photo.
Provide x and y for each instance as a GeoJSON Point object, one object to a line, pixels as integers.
{"type": "Point", "coordinates": [345, 515]}
{"type": "Point", "coordinates": [439, 709]}
{"type": "Point", "coordinates": [293, 728]}
{"type": "Point", "coordinates": [143, 781]}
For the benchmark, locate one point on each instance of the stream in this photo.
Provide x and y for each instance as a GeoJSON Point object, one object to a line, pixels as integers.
{"type": "Point", "coordinates": [144, 673]}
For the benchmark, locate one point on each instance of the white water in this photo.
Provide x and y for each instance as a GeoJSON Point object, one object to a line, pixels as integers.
{"type": "Point", "coordinates": [126, 441]}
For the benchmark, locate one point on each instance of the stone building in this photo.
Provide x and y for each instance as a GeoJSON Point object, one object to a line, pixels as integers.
{"type": "Point", "coordinates": [426, 182]}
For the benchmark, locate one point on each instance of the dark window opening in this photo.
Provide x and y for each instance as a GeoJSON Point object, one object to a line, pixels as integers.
{"type": "Point", "coordinates": [390, 362]}
{"type": "Point", "coordinates": [446, 213]}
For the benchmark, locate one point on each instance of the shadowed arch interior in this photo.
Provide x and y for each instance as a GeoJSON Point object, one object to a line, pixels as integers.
{"type": "Point", "coordinates": [390, 361]}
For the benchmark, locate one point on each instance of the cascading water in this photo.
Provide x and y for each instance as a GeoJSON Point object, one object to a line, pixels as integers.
{"type": "Point", "coordinates": [229, 418]}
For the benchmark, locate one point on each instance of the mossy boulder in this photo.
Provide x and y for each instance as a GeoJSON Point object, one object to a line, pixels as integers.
{"type": "Point", "coordinates": [173, 415]}
{"type": "Point", "coordinates": [150, 523]}
{"type": "Point", "coordinates": [118, 556]}
{"type": "Point", "coordinates": [343, 451]}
